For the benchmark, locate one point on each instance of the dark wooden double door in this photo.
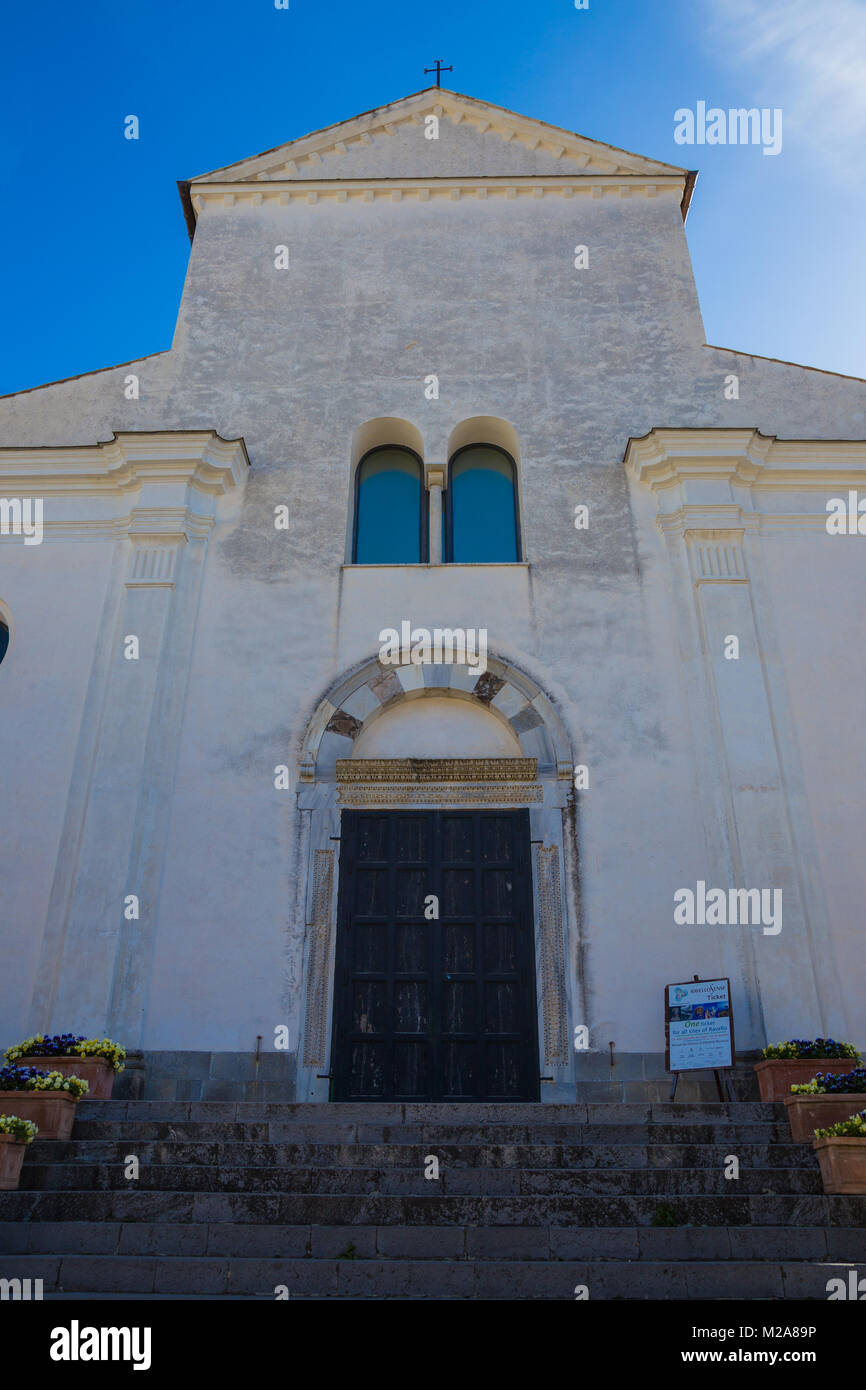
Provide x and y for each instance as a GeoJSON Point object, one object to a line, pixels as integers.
{"type": "Point", "coordinates": [427, 1007]}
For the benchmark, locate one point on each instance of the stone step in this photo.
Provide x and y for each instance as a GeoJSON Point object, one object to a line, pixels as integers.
{"type": "Point", "coordinates": [568, 1156]}
{"type": "Point", "coordinates": [235, 1198]}
{"type": "Point", "coordinates": [354, 1279]}
{"type": "Point", "coordinates": [295, 1132]}
{"type": "Point", "coordinates": [168, 1177]}
{"type": "Point", "coordinates": [380, 1209]}
{"type": "Point", "coordinates": [621, 1112]}
{"type": "Point", "coordinates": [227, 1239]}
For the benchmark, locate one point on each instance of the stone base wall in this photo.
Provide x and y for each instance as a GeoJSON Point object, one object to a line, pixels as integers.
{"type": "Point", "coordinates": [208, 1076]}
{"type": "Point", "coordinates": [203, 1076]}
{"type": "Point", "coordinates": [637, 1076]}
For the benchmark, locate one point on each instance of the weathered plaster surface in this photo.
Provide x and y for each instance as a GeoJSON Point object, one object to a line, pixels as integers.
{"type": "Point", "coordinates": [482, 292]}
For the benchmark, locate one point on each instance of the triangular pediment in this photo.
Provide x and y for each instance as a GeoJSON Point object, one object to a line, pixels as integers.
{"type": "Point", "coordinates": [476, 139]}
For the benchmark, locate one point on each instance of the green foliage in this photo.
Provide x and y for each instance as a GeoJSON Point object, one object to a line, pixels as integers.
{"type": "Point", "coordinates": [67, 1045]}
{"type": "Point", "coordinates": [834, 1084]}
{"type": "Point", "coordinates": [808, 1048]}
{"type": "Point", "coordinates": [104, 1047]}
{"type": "Point", "coordinates": [852, 1128]}
{"type": "Point", "coordinates": [31, 1079]}
{"type": "Point", "coordinates": [664, 1215]}
{"type": "Point", "coordinates": [25, 1131]}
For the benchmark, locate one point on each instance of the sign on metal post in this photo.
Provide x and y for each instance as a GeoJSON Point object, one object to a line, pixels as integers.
{"type": "Point", "coordinates": [699, 1027]}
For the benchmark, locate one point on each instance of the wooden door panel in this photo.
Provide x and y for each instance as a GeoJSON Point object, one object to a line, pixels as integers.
{"type": "Point", "coordinates": [435, 1008]}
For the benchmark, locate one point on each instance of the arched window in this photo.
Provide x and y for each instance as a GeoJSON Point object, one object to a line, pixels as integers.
{"type": "Point", "coordinates": [481, 506]}
{"type": "Point", "coordinates": [4, 639]}
{"type": "Point", "coordinates": [390, 508]}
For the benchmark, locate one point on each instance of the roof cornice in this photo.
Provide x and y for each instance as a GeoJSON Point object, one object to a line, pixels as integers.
{"type": "Point", "coordinates": [665, 457]}
{"type": "Point", "coordinates": [728, 479]}
{"type": "Point", "coordinates": [368, 190]}
{"type": "Point", "coordinates": [304, 161]}
{"type": "Point", "coordinates": [200, 459]}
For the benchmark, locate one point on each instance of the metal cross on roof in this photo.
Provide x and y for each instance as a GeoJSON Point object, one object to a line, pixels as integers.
{"type": "Point", "coordinates": [438, 71]}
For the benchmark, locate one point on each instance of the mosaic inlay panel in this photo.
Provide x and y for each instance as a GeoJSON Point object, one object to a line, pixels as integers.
{"type": "Point", "coordinates": [315, 1026]}
{"type": "Point", "coordinates": [553, 994]}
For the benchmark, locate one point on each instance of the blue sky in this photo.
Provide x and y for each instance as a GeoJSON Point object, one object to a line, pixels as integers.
{"type": "Point", "coordinates": [93, 246]}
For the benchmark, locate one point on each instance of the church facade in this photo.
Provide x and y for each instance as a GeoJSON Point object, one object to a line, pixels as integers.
{"type": "Point", "coordinates": [439, 649]}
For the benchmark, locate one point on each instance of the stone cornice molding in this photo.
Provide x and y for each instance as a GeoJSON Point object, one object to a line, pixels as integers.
{"type": "Point", "coordinates": [422, 189]}
{"type": "Point", "coordinates": [201, 460]}
{"type": "Point", "coordinates": [167, 482]}
{"type": "Point", "coordinates": [152, 524]}
{"type": "Point", "coordinates": [734, 478]}
{"type": "Point", "coordinates": [701, 520]}
{"type": "Point", "coordinates": [176, 521]}
{"type": "Point", "coordinates": [668, 457]}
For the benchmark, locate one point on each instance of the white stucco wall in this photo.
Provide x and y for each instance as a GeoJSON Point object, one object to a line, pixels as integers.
{"type": "Point", "coordinates": [483, 293]}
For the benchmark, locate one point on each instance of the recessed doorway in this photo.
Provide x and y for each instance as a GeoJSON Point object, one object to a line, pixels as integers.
{"type": "Point", "coordinates": [434, 994]}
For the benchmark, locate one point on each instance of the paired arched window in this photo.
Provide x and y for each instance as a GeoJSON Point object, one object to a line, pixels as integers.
{"type": "Point", "coordinates": [390, 508]}
{"type": "Point", "coordinates": [481, 521]}
{"type": "Point", "coordinates": [4, 639]}
{"type": "Point", "coordinates": [480, 518]}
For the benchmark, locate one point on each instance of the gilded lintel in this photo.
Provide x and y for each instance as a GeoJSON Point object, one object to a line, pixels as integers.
{"type": "Point", "coordinates": [379, 770]}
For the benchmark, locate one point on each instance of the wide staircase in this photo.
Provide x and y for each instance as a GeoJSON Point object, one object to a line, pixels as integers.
{"type": "Point", "coordinates": [242, 1200]}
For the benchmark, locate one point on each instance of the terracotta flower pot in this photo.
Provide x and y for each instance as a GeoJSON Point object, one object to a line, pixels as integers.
{"type": "Point", "coordinates": [843, 1164]}
{"type": "Point", "coordinates": [52, 1111]}
{"type": "Point", "coordinates": [808, 1113]}
{"type": "Point", "coordinates": [11, 1157]}
{"type": "Point", "coordinates": [778, 1075]}
{"type": "Point", "coordinates": [96, 1071]}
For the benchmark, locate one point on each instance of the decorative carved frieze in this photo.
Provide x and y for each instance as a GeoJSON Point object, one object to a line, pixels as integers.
{"type": "Point", "coordinates": [371, 190]}
{"type": "Point", "coordinates": [437, 769]}
{"type": "Point", "coordinates": [458, 794]}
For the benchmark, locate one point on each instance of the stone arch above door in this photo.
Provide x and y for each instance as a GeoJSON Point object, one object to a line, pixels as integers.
{"type": "Point", "coordinates": [533, 768]}
{"type": "Point", "coordinates": [358, 700]}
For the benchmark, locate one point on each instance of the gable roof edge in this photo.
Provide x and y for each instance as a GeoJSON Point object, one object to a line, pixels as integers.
{"type": "Point", "coordinates": [439, 94]}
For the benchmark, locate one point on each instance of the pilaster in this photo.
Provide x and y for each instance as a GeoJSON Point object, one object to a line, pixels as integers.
{"type": "Point", "coordinates": [711, 487]}
{"type": "Point", "coordinates": [154, 498]}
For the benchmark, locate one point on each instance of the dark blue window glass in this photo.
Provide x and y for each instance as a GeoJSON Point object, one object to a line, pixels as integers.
{"type": "Point", "coordinates": [4, 639]}
{"type": "Point", "coordinates": [389, 509]}
{"type": "Point", "coordinates": [482, 507]}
